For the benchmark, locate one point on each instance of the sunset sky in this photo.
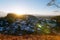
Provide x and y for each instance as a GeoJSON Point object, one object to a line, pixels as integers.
{"type": "Point", "coordinates": [35, 7]}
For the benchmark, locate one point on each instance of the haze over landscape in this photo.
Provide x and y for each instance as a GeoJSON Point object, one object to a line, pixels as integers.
{"type": "Point", "coordinates": [34, 7]}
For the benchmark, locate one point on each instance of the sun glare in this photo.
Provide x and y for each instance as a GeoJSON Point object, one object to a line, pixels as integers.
{"type": "Point", "coordinates": [18, 13]}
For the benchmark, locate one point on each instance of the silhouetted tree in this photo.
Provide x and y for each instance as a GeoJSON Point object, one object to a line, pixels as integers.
{"type": "Point", "coordinates": [53, 2]}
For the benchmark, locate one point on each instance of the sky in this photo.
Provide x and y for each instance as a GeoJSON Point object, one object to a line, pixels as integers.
{"type": "Point", "coordinates": [34, 7]}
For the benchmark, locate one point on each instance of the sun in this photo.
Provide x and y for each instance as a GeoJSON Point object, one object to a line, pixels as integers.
{"type": "Point", "coordinates": [18, 13]}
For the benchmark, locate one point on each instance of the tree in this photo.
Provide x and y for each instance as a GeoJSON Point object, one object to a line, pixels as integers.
{"type": "Point", "coordinates": [53, 2]}
{"type": "Point", "coordinates": [11, 17]}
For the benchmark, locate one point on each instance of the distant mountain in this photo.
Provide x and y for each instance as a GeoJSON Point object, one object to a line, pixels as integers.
{"type": "Point", "coordinates": [2, 14]}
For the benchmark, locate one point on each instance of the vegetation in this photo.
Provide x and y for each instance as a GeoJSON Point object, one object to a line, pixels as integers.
{"type": "Point", "coordinates": [28, 24]}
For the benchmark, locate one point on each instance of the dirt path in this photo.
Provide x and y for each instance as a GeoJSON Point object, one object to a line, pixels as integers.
{"type": "Point", "coordinates": [30, 37]}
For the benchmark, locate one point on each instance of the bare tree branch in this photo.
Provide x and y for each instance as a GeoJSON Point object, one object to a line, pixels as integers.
{"type": "Point", "coordinates": [53, 2]}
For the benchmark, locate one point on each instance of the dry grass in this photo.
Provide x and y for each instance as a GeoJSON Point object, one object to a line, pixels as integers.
{"type": "Point", "coordinates": [30, 37]}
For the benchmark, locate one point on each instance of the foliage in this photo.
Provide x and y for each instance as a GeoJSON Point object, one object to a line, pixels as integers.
{"type": "Point", "coordinates": [29, 24]}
